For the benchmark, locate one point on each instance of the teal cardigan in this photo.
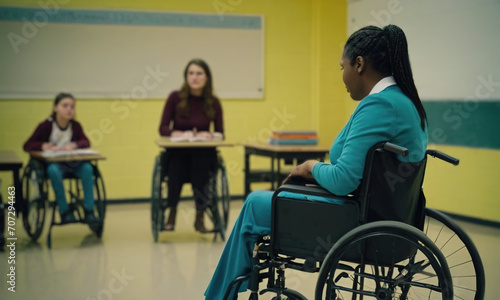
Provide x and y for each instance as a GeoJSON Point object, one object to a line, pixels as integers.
{"type": "Point", "coordinates": [386, 116]}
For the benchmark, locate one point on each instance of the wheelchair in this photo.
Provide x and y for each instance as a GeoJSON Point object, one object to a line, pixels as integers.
{"type": "Point", "coordinates": [35, 188]}
{"type": "Point", "coordinates": [218, 202]}
{"type": "Point", "coordinates": [380, 242]}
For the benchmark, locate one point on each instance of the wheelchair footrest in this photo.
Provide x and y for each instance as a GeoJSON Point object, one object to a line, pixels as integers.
{"type": "Point", "coordinates": [307, 266]}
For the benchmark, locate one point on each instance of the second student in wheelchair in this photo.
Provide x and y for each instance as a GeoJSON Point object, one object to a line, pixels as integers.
{"type": "Point", "coordinates": [376, 72]}
{"type": "Point", "coordinates": [61, 132]}
{"type": "Point", "coordinates": [188, 113]}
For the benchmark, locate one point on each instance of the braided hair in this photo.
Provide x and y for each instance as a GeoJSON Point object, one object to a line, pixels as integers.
{"type": "Point", "coordinates": [386, 50]}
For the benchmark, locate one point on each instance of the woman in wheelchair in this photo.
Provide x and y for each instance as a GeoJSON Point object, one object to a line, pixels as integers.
{"type": "Point", "coordinates": [376, 72]}
{"type": "Point", "coordinates": [58, 133]}
{"type": "Point", "coordinates": [188, 114]}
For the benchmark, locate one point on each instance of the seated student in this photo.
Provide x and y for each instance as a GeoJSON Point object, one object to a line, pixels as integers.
{"type": "Point", "coordinates": [188, 113]}
{"type": "Point", "coordinates": [61, 132]}
{"type": "Point", "coordinates": [376, 71]}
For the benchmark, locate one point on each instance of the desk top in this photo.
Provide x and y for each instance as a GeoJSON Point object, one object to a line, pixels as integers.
{"type": "Point", "coordinates": [9, 158]}
{"type": "Point", "coordinates": [65, 158]}
{"type": "Point", "coordinates": [165, 142]}
{"type": "Point", "coordinates": [287, 148]}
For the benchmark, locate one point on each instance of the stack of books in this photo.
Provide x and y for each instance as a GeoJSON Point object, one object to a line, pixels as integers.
{"type": "Point", "coordinates": [296, 137]}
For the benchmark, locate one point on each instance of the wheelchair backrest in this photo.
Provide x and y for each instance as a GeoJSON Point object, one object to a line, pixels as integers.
{"type": "Point", "coordinates": [392, 189]}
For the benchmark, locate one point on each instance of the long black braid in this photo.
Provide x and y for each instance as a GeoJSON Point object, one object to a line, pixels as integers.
{"type": "Point", "coordinates": [386, 49]}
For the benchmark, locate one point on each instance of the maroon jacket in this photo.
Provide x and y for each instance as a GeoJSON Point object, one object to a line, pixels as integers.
{"type": "Point", "coordinates": [197, 118]}
{"type": "Point", "coordinates": [43, 131]}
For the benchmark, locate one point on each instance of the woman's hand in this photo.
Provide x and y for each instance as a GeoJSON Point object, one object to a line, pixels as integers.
{"type": "Point", "coordinates": [67, 147]}
{"type": "Point", "coordinates": [182, 134]}
{"type": "Point", "coordinates": [218, 136]}
{"type": "Point", "coordinates": [48, 146]}
{"type": "Point", "coordinates": [204, 135]}
{"type": "Point", "coordinates": [303, 170]}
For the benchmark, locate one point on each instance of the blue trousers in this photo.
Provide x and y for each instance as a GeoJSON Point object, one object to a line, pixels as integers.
{"type": "Point", "coordinates": [254, 221]}
{"type": "Point", "coordinates": [84, 171]}
{"type": "Point", "coordinates": [236, 259]}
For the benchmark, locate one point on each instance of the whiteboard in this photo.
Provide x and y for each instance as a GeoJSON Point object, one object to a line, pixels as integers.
{"type": "Point", "coordinates": [125, 54]}
{"type": "Point", "coordinates": [453, 44]}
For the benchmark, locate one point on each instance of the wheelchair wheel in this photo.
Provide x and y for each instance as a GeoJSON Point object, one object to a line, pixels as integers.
{"type": "Point", "coordinates": [219, 200]}
{"type": "Point", "coordinates": [223, 193]}
{"type": "Point", "coordinates": [462, 256]}
{"type": "Point", "coordinates": [156, 195]}
{"type": "Point", "coordinates": [35, 193]}
{"type": "Point", "coordinates": [100, 201]}
{"type": "Point", "coordinates": [384, 260]}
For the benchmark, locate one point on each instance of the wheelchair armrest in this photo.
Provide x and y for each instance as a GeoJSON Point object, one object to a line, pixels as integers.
{"type": "Point", "coordinates": [298, 180]}
{"type": "Point", "coordinates": [315, 190]}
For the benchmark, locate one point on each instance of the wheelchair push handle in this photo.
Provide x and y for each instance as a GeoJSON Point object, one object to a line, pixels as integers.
{"type": "Point", "coordinates": [443, 156]}
{"type": "Point", "coordinates": [396, 149]}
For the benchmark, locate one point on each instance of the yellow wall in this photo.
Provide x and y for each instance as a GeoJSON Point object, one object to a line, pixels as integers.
{"type": "Point", "coordinates": [302, 39]}
{"type": "Point", "coordinates": [303, 45]}
{"type": "Point", "coordinates": [469, 189]}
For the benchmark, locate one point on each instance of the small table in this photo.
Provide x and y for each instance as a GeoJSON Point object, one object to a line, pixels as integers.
{"type": "Point", "coordinates": [288, 153]}
{"type": "Point", "coordinates": [66, 158]}
{"type": "Point", "coordinates": [165, 142]}
{"type": "Point", "coordinates": [9, 161]}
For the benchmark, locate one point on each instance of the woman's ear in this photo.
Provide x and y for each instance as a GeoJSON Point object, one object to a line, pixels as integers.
{"type": "Point", "coordinates": [360, 64]}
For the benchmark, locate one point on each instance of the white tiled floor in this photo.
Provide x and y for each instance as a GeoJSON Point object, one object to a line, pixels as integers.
{"type": "Point", "coordinates": [127, 264]}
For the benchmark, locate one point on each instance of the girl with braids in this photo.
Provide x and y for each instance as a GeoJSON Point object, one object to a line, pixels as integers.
{"type": "Point", "coordinates": [376, 72]}
{"type": "Point", "coordinates": [188, 113]}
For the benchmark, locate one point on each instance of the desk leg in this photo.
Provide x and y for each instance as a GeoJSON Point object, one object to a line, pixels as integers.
{"type": "Point", "coordinates": [19, 205]}
{"type": "Point", "coordinates": [2, 221]}
{"type": "Point", "coordinates": [278, 174]}
{"type": "Point", "coordinates": [247, 173]}
{"type": "Point", "coordinates": [273, 174]}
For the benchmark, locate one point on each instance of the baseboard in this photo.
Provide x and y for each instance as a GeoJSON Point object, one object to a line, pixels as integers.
{"type": "Point", "coordinates": [474, 220]}
{"type": "Point", "coordinates": [147, 200]}
{"type": "Point", "coordinates": [469, 219]}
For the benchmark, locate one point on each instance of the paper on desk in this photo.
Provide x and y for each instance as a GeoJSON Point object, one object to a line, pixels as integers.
{"type": "Point", "coordinates": [194, 139]}
{"type": "Point", "coordinates": [86, 151]}
{"type": "Point", "coordinates": [191, 139]}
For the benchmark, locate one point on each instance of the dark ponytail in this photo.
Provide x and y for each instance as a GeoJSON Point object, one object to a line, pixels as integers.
{"type": "Point", "coordinates": [387, 51]}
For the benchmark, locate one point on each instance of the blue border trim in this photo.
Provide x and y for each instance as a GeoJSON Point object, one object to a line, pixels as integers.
{"type": "Point", "coordinates": [138, 18]}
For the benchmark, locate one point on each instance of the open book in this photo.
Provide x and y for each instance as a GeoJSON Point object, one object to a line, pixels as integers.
{"type": "Point", "coordinates": [86, 151]}
{"type": "Point", "coordinates": [216, 136]}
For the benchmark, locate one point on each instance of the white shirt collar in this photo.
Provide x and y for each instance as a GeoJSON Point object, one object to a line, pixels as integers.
{"type": "Point", "coordinates": [382, 84]}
